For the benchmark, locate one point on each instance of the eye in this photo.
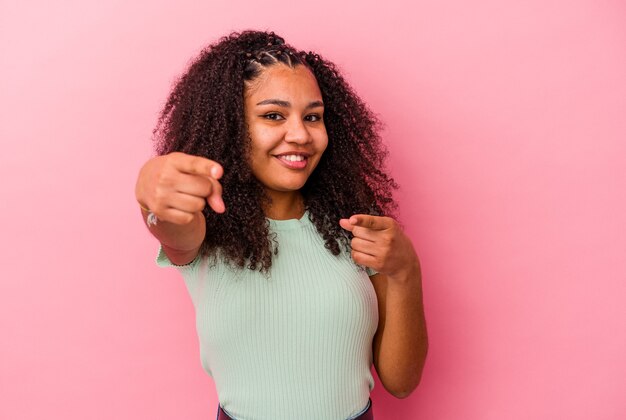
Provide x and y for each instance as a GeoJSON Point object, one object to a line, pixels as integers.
{"type": "Point", "coordinates": [274, 116]}
{"type": "Point", "coordinates": [313, 117]}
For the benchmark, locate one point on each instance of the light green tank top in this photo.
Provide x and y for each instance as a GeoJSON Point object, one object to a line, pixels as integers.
{"type": "Point", "coordinates": [296, 344]}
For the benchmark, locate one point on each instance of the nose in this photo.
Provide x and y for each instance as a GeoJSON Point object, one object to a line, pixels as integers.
{"type": "Point", "coordinates": [297, 132]}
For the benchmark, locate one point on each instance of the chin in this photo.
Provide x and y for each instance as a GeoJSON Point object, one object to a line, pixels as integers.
{"type": "Point", "coordinates": [290, 188]}
{"type": "Point", "coordinates": [292, 184]}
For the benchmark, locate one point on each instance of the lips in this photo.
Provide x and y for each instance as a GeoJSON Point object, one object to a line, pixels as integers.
{"type": "Point", "coordinates": [293, 160]}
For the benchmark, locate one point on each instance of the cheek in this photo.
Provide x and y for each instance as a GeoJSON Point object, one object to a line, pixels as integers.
{"type": "Point", "coordinates": [323, 137]}
{"type": "Point", "coordinates": [323, 142]}
{"type": "Point", "coordinates": [263, 139]}
{"type": "Point", "coordinates": [259, 155]}
{"type": "Point", "coordinates": [255, 156]}
{"type": "Point", "coordinates": [256, 145]}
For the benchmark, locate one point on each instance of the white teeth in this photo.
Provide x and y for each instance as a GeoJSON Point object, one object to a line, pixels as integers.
{"type": "Point", "coordinates": [293, 158]}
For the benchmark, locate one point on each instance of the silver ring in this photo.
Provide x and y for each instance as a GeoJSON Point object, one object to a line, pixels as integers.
{"type": "Point", "coordinates": [152, 219]}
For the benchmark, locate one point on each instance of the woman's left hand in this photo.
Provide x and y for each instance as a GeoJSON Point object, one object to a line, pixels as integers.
{"type": "Point", "coordinates": [380, 243]}
{"type": "Point", "coordinates": [401, 341]}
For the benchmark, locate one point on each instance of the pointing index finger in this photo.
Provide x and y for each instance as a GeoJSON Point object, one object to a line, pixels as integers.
{"type": "Point", "coordinates": [197, 165]}
{"type": "Point", "coordinates": [369, 221]}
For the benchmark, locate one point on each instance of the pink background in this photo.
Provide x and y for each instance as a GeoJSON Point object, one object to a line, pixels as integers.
{"type": "Point", "coordinates": [506, 123]}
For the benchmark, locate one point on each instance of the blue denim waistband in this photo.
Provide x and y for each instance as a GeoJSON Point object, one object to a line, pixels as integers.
{"type": "Point", "coordinates": [365, 414]}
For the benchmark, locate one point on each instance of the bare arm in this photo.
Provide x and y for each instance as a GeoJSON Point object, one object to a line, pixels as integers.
{"type": "Point", "coordinates": [401, 342]}
{"type": "Point", "coordinates": [176, 187]}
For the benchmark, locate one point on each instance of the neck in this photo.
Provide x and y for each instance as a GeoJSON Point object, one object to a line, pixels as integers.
{"type": "Point", "coordinates": [284, 206]}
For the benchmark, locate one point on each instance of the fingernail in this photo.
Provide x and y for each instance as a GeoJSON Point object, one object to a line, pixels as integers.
{"type": "Point", "coordinates": [215, 171]}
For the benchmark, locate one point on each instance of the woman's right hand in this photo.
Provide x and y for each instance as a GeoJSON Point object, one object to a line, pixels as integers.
{"type": "Point", "coordinates": [176, 186]}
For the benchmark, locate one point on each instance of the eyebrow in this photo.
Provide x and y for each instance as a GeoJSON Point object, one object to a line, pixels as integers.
{"type": "Point", "coordinates": [286, 104]}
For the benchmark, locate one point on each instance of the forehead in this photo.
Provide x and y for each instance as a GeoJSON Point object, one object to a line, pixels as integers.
{"type": "Point", "coordinates": [283, 82]}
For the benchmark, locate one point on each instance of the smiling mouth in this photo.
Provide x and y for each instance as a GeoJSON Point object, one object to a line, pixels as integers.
{"type": "Point", "coordinates": [293, 161]}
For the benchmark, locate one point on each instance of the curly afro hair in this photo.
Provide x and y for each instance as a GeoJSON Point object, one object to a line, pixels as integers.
{"type": "Point", "coordinates": [204, 116]}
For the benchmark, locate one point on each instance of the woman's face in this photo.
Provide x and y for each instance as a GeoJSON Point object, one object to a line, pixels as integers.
{"type": "Point", "coordinates": [284, 113]}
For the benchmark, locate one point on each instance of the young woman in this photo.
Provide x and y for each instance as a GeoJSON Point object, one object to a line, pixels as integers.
{"type": "Point", "coordinates": [268, 195]}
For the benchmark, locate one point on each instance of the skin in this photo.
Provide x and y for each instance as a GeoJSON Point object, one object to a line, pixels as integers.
{"type": "Point", "coordinates": [284, 113]}
{"type": "Point", "coordinates": [176, 187]}
{"type": "Point", "coordinates": [400, 344]}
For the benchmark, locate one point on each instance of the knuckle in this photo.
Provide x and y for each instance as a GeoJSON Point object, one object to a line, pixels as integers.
{"type": "Point", "coordinates": [204, 186]}
{"type": "Point", "coordinates": [171, 160]}
{"type": "Point", "coordinates": [193, 166]}
{"type": "Point", "coordinates": [157, 209]}
{"type": "Point", "coordinates": [159, 196]}
{"type": "Point", "coordinates": [165, 177]}
{"type": "Point", "coordinates": [198, 205]}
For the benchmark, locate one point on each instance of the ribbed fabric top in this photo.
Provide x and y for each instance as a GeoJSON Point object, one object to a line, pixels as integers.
{"type": "Point", "coordinates": [296, 344]}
